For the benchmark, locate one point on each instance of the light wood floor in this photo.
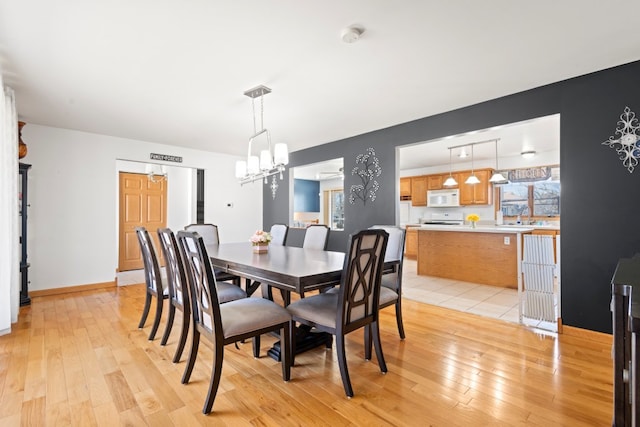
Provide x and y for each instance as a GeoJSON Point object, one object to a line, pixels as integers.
{"type": "Point", "coordinates": [79, 359]}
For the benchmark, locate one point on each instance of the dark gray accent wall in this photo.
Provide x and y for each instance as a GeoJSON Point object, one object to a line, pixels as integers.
{"type": "Point", "coordinates": [599, 202]}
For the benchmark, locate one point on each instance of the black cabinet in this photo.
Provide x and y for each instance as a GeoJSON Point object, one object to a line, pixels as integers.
{"type": "Point", "coordinates": [23, 205]}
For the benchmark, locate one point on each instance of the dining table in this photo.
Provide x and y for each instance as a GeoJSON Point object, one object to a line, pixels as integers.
{"type": "Point", "coordinates": [289, 268]}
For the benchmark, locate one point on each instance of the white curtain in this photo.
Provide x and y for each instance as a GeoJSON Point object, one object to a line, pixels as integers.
{"type": "Point", "coordinates": [9, 243]}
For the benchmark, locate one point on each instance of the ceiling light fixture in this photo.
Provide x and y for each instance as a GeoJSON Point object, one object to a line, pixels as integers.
{"type": "Point", "coordinates": [155, 174]}
{"type": "Point", "coordinates": [497, 177]}
{"type": "Point", "coordinates": [473, 179]}
{"type": "Point", "coordinates": [272, 160]}
{"type": "Point", "coordinates": [528, 154]}
{"type": "Point", "coordinates": [463, 153]}
{"type": "Point", "coordinates": [351, 35]}
{"type": "Point", "coordinates": [450, 182]}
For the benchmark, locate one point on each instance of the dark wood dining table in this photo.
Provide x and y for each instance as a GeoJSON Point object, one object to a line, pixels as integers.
{"type": "Point", "coordinates": [289, 268]}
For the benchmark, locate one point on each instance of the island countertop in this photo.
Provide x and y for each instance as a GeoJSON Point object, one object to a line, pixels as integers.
{"type": "Point", "coordinates": [477, 229]}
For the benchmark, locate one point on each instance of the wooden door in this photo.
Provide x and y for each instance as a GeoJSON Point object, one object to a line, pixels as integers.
{"type": "Point", "coordinates": [142, 203]}
{"type": "Point", "coordinates": [419, 191]}
{"type": "Point", "coordinates": [434, 182]}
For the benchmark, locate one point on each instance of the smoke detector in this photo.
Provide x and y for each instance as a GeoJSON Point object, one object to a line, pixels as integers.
{"type": "Point", "coordinates": [351, 35]}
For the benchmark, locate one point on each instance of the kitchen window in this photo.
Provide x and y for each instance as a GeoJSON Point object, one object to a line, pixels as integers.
{"type": "Point", "coordinates": [531, 194]}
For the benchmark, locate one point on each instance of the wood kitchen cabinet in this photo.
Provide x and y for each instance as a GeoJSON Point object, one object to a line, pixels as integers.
{"type": "Point", "coordinates": [405, 188]}
{"type": "Point", "coordinates": [411, 243]}
{"type": "Point", "coordinates": [419, 190]}
{"type": "Point", "coordinates": [434, 182]}
{"type": "Point", "coordinates": [475, 194]}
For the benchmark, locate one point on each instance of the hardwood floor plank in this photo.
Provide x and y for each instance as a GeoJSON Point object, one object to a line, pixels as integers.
{"type": "Point", "coordinates": [79, 359]}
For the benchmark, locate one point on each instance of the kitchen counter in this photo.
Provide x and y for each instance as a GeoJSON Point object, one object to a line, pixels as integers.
{"type": "Point", "coordinates": [486, 254]}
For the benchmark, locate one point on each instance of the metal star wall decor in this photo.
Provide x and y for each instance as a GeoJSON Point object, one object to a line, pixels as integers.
{"type": "Point", "coordinates": [627, 143]}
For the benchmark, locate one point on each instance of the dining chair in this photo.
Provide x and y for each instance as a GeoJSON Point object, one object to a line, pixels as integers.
{"type": "Point", "coordinates": [391, 281]}
{"type": "Point", "coordinates": [279, 234]}
{"type": "Point", "coordinates": [179, 290]}
{"type": "Point", "coordinates": [316, 236]}
{"type": "Point", "coordinates": [228, 323]}
{"type": "Point", "coordinates": [153, 280]}
{"type": "Point", "coordinates": [210, 235]}
{"type": "Point", "coordinates": [355, 304]}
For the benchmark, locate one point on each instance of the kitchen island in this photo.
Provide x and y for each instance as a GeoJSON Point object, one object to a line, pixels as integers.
{"type": "Point", "coordinates": [486, 254]}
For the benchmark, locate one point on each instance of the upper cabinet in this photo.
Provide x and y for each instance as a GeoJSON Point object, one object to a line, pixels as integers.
{"type": "Point", "coordinates": [434, 182]}
{"type": "Point", "coordinates": [475, 194]}
{"type": "Point", "coordinates": [419, 190]}
{"type": "Point", "coordinates": [405, 188]}
{"type": "Point", "coordinates": [415, 188]}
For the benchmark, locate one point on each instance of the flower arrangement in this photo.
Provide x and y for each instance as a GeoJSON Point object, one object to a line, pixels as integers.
{"type": "Point", "coordinates": [260, 238]}
{"type": "Point", "coordinates": [473, 218]}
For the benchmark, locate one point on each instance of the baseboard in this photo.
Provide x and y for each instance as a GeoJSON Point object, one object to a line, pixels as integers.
{"type": "Point", "coordinates": [588, 334]}
{"type": "Point", "coordinates": [70, 289]}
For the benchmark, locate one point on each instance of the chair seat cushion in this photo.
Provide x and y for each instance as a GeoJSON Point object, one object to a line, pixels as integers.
{"type": "Point", "coordinates": [250, 314]}
{"type": "Point", "coordinates": [229, 292]}
{"type": "Point", "coordinates": [387, 296]}
{"type": "Point", "coordinates": [320, 309]}
{"type": "Point", "coordinates": [389, 281]}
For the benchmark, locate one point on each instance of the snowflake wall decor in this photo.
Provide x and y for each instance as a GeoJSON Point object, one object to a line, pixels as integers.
{"type": "Point", "coordinates": [369, 170]}
{"type": "Point", "coordinates": [627, 145]}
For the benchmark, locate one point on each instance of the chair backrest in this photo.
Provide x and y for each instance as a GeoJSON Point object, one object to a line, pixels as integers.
{"type": "Point", "coordinates": [279, 234]}
{"type": "Point", "coordinates": [360, 284]}
{"type": "Point", "coordinates": [395, 246]}
{"type": "Point", "coordinates": [208, 232]}
{"type": "Point", "coordinates": [176, 278]}
{"type": "Point", "coordinates": [151, 267]}
{"type": "Point", "coordinates": [316, 237]}
{"type": "Point", "coordinates": [205, 307]}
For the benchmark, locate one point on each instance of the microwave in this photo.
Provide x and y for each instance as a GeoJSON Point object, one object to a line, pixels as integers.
{"type": "Point", "coordinates": [443, 198]}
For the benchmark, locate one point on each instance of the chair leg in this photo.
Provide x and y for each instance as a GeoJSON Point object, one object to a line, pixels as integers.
{"type": "Point", "coordinates": [145, 311]}
{"type": "Point", "coordinates": [256, 346]}
{"type": "Point", "coordinates": [169, 326]}
{"type": "Point", "coordinates": [399, 318]}
{"type": "Point", "coordinates": [156, 320]}
{"type": "Point", "coordinates": [292, 342]}
{"type": "Point", "coordinates": [193, 353]}
{"type": "Point", "coordinates": [285, 351]}
{"type": "Point", "coordinates": [216, 371]}
{"type": "Point", "coordinates": [367, 342]}
{"type": "Point", "coordinates": [186, 319]}
{"type": "Point", "coordinates": [375, 329]}
{"type": "Point", "coordinates": [342, 361]}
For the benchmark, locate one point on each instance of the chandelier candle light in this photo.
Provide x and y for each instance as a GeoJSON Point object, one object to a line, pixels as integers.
{"type": "Point", "coordinates": [272, 160]}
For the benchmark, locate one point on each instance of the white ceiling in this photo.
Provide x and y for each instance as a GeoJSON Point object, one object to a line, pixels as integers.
{"type": "Point", "coordinates": [175, 72]}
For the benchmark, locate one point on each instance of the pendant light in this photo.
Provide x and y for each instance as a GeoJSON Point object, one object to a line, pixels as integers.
{"type": "Point", "coordinates": [497, 177]}
{"type": "Point", "coordinates": [450, 182]}
{"type": "Point", "coordinates": [473, 179]}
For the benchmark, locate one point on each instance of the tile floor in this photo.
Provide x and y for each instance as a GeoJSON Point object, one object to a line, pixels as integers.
{"type": "Point", "coordinates": [488, 301]}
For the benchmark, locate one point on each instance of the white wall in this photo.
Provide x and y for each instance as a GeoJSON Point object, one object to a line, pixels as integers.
{"type": "Point", "coordinates": [73, 196]}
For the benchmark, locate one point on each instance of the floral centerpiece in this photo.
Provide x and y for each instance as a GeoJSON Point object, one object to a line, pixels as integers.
{"type": "Point", "coordinates": [260, 241]}
{"type": "Point", "coordinates": [473, 218]}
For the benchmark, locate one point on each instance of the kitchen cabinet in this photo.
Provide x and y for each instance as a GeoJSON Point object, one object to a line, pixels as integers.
{"type": "Point", "coordinates": [411, 243]}
{"type": "Point", "coordinates": [475, 194]}
{"type": "Point", "coordinates": [434, 182]}
{"type": "Point", "coordinates": [405, 188]}
{"type": "Point", "coordinates": [419, 190]}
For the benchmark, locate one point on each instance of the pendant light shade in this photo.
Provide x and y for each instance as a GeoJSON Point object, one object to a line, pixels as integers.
{"type": "Point", "coordinates": [497, 177]}
{"type": "Point", "coordinates": [473, 179]}
{"type": "Point", "coordinates": [450, 181]}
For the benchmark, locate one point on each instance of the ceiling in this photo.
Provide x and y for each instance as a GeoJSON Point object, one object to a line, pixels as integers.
{"type": "Point", "coordinates": [541, 135]}
{"type": "Point", "coordinates": [174, 72]}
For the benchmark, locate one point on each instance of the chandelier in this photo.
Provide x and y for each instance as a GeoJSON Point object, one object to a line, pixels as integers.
{"type": "Point", "coordinates": [271, 160]}
{"type": "Point", "coordinates": [155, 173]}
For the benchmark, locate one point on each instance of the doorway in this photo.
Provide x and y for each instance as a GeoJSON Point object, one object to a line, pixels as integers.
{"type": "Point", "coordinates": [143, 203]}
